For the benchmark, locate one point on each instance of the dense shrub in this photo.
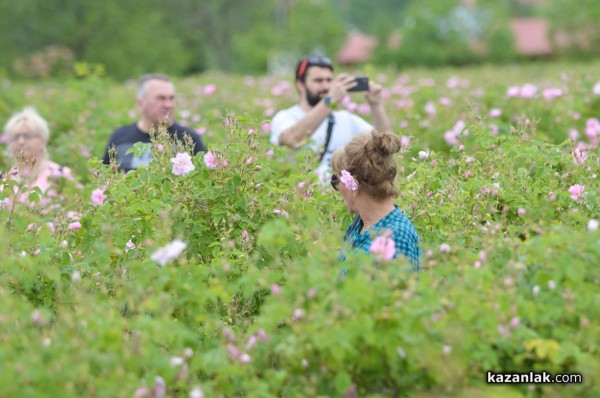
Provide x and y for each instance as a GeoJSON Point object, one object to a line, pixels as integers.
{"type": "Point", "coordinates": [256, 305]}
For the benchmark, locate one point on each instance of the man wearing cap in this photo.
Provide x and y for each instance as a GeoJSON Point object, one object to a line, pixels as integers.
{"type": "Point", "coordinates": [317, 118]}
{"type": "Point", "coordinates": [156, 101]}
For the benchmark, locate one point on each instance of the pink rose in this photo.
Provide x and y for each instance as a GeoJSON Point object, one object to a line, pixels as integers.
{"type": "Point", "coordinates": [98, 196]}
{"type": "Point", "coordinates": [383, 247]}
{"type": "Point", "coordinates": [576, 192]}
{"type": "Point", "coordinates": [182, 164]}
{"type": "Point", "coordinates": [349, 181]}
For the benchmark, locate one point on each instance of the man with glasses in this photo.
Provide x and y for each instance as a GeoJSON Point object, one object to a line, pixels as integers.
{"type": "Point", "coordinates": [317, 117]}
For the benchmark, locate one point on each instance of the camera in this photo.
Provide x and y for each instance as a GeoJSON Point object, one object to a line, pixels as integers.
{"type": "Point", "coordinates": [362, 84]}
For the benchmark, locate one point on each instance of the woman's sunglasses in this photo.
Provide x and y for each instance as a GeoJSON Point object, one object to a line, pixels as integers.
{"type": "Point", "coordinates": [335, 182]}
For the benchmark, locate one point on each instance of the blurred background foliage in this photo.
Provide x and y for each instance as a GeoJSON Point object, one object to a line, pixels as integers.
{"type": "Point", "coordinates": [124, 38]}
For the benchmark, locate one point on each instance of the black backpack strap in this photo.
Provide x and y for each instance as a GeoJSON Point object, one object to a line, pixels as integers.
{"type": "Point", "coordinates": [330, 123]}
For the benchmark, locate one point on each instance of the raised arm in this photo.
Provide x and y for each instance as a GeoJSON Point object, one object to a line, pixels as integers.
{"type": "Point", "coordinates": [375, 100]}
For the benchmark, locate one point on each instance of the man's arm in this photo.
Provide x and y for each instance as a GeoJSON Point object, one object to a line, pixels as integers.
{"type": "Point", "coordinates": [375, 100]}
{"type": "Point", "coordinates": [306, 126]}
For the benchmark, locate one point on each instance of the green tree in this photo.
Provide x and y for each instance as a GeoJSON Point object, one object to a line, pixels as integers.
{"type": "Point", "coordinates": [441, 32]}
{"type": "Point", "coordinates": [577, 24]}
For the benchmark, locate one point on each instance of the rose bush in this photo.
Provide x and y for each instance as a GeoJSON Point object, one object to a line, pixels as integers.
{"type": "Point", "coordinates": [223, 278]}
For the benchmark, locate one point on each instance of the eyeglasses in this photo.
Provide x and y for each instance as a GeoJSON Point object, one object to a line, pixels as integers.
{"type": "Point", "coordinates": [335, 182]}
{"type": "Point", "coordinates": [311, 61]}
{"type": "Point", "coordinates": [25, 136]}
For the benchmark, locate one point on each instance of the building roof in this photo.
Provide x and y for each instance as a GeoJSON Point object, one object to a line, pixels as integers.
{"type": "Point", "coordinates": [531, 36]}
{"type": "Point", "coordinates": [358, 48]}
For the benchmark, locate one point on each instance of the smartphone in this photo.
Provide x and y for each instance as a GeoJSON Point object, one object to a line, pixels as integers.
{"type": "Point", "coordinates": [362, 84]}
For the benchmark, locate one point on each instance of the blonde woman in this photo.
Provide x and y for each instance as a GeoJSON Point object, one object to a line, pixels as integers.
{"type": "Point", "coordinates": [364, 171]}
{"type": "Point", "coordinates": [27, 134]}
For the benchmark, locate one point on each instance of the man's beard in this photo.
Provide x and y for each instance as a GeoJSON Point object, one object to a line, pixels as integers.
{"type": "Point", "coordinates": [312, 98]}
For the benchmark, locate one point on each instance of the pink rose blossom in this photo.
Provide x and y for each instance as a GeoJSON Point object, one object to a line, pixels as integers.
{"type": "Point", "coordinates": [212, 160]}
{"type": "Point", "coordinates": [266, 128]}
{"type": "Point", "coordinates": [495, 112]}
{"type": "Point", "coordinates": [269, 153]}
{"type": "Point", "coordinates": [245, 358]}
{"type": "Point", "coordinates": [233, 350]}
{"type": "Point", "coordinates": [551, 93]}
{"type": "Point", "coordinates": [576, 192]}
{"type": "Point", "coordinates": [250, 160]}
{"type": "Point", "coordinates": [275, 290]}
{"type": "Point", "coordinates": [494, 130]}
{"type": "Point", "coordinates": [513, 91]}
{"type": "Point", "coordinates": [404, 141]}
{"type": "Point", "coordinates": [168, 252]}
{"type": "Point", "coordinates": [596, 89]}
{"type": "Point", "coordinates": [592, 131]}
{"type": "Point", "coordinates": [451, 138]}
{"type": "Point", "coordinates": [528, 91]}
{"type": "Point", "coordinates": [159, 147]}
{"type": "Point", "coordinates": [445, 248]}
{"type": "Point", "coordinates": [580, 154]}
{"type": "Point", "coordinates": [430, 108]}
{"type": "Point", "coordinates": [196, 392]}
{"type": "Point", "coordinates": [245, 235]}
{"type": "Point", "coordinates": [201, 130]}
{"type": "Point", "coordinates": [98, 196]}
{"type": "Point", "coordinates": [75, 226]}
{"type": "Point", "coordinates": [349, 181]}
{"type": "Point", "coordinates": [364, 109]}
{"type": "Point", "coordinates": [383, 247]}
{"type": "Point", "coordinates": [298, 314]}
{"type": "Point", "coordinates": [210, 89]}
{"type": "Point", "coordinates": [182, 164]}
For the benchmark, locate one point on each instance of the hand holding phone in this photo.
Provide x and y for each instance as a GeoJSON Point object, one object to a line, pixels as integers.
{"type": "Point", "coordinates": [362, 84]}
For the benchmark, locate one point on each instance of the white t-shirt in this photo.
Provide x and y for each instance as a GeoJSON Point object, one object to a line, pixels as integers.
{"type": "Point", "coordinates": [346, 126]}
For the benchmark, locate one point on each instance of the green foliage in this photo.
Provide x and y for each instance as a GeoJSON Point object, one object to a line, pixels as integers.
{"type": "Point", "coordinates": [577, 26]}
{"type": "Point", "coordinates": [441, 32]}
{"type": "Point", "coordinates": [256, 304]}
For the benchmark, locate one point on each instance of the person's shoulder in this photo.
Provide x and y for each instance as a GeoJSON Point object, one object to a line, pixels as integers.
{"type": "Point", "coordinates": [181, 131]}
{"type": "Point", "coordinates": [293, 110]}
{"type": "Point", "coordinates": [123, 130]}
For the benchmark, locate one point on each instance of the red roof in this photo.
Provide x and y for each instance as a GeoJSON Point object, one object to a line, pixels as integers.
{"type": "Point", "coordinates": [531, 36]}
{"type": "Point", "coordinates": [358, 48]}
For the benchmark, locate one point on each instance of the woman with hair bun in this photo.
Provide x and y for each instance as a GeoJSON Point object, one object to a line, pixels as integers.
{"type": "Point", "coordinates": [363, 172]}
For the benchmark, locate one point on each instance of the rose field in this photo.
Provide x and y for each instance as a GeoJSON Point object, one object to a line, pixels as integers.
{"type": "Point", "coordinates": [222, 278]}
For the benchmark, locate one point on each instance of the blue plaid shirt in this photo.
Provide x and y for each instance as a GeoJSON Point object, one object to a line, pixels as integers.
{"type": "Point", "coordinates": [403, 232]}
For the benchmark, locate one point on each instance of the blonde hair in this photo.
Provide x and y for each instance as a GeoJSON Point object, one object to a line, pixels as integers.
{"type": "Point", "coordinates": [369, 157]}
{"type": "Point", "coordinates": [28, 119]}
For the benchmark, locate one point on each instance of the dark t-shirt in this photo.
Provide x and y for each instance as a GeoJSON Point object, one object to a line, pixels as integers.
{"type": "Point", "coordinates": [125, 137]}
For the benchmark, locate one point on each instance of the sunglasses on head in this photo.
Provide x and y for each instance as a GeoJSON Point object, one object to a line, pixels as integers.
{"type": "Point", "coordinates": [311, 61]}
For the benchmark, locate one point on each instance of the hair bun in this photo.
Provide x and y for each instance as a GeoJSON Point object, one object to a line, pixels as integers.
{"type": "Point", "coordinates": [385, 144]}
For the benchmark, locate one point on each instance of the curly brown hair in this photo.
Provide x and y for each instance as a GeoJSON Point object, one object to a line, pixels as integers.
{"type": "Point", "coordinates": [369, 157]}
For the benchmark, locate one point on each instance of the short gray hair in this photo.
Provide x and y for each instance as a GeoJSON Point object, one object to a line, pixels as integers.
{"type": "Point", "coordinates": [141, 89]}
{"type": "Point", "coordinates": [30, 120]}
